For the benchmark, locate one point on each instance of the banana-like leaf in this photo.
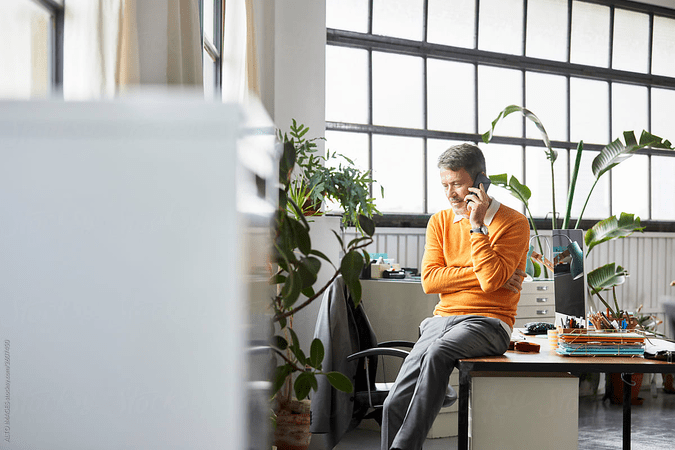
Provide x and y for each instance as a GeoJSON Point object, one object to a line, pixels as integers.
{"type": "Point", "coordinates": [606, 277]}
{"type": "Point", "coordinates": [611, 155]}
{"type": "Point", "coordinates": [612, 228]}
{"type": "Point", "coordinates": [515, 187]}
{"type": "Point", "coordinates": [573, 186]}
{"type": "Point", "coordinates": [550, 152]}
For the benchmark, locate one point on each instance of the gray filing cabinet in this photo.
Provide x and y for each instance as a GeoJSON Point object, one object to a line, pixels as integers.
{"type": "Point", "coordinates": [537, 302]}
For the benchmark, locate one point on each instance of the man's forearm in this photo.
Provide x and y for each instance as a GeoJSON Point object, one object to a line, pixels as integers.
{"type": "Point", "coordinates": [448, 280]}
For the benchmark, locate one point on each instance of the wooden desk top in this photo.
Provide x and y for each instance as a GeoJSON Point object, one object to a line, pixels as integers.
{"type": "Point", "coordinates": [547, 360]}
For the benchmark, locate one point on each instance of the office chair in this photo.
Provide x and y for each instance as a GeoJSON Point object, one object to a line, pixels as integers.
{"type": "Point", "coordinates": [351, 348]}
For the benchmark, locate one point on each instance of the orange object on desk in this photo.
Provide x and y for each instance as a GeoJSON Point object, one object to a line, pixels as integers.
{"type": "Point", "coordinates": [526, 346]}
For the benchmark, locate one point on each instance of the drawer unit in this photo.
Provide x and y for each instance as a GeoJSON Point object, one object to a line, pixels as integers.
{"type": "Point", "coordinates": [537, 302]}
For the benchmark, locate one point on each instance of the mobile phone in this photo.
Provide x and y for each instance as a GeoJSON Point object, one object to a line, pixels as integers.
{"type": "Point", "coordinates": [481, 178]}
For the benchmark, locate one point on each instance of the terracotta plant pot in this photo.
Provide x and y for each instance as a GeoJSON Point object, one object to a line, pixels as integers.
{"type": "Point", "coordinates": [614, 389]}
{"type": "Point", "coordinates": [292, 428]}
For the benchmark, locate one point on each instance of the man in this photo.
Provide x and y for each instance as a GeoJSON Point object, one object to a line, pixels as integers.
{"type": "Point", "coordinates": [475, 259]}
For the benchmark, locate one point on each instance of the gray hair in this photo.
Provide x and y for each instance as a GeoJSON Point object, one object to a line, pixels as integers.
{"type": "Point", "coordinates": [463, 156]}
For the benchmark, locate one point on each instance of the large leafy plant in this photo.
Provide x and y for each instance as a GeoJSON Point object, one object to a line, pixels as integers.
{"type": "Point", "coordinates": [611, 275]}
{"type": "Point", "coordinates": [332, 177]}
{"type": "Point", "coordinates": [297, 264]}
{"type": "Point", "coordinates": [610, 156]}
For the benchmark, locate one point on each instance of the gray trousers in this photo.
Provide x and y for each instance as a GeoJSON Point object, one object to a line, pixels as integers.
{"type": "Point", "coordinates": [417, 395]}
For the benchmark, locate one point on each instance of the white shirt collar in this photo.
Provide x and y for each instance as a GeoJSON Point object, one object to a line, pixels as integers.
{"type": "Point", "coordinates": [489, 214]}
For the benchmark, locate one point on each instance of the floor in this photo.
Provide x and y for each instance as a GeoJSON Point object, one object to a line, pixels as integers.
{"type": "Point", "coordinates": [600, 427]}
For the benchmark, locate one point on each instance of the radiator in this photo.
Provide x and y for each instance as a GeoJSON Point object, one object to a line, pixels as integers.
{"type": "Point", "coordinates": [648, 257]}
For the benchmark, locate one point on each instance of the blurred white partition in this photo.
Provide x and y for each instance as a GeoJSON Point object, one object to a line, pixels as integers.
{"type": "Point", "coordinates": [133, 246]}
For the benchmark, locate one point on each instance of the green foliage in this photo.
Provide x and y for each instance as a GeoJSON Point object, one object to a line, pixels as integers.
{"type": "Point", "coordinates": [298, 265]}
{"type": "Point", "coordinates": [612, 228]}
{"type": "Point", "coordinates": [609, 157]}
{"type": "Point", "coordinates": [331, 177]}
{"type": "Point", "coordinates": [607, 277]}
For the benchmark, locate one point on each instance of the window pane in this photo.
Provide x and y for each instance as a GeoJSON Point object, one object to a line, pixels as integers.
{"type": "Point", "coordinates": [663, 186]}
{"type": "Point", "coordinates": [436, 199]}
{"type": "Point", "coordinates": [500, 26]}
{"type": "Point", "coordinates": [598, 205]}
{"type": "Point", "coordinates": [346, 84]}
{"type": "Point", "coordinates": [501, 158]}
{"type": "Point", "coordinates": [398, 166]}
{"type": "Point", "coordinates": [497, 89]}
{"type": "Point", "coordinates": [451, 102]}
{"type": "Point", "coordinates": [663, 48]}
{"type": "Point", "coordinates": [547, 29]}
{"type": "Point", "coordinates": [452, 23]}
{"type": "Point", "coordinates": [397, 90]}
{"type": "Point", "coordinates": [399, 18]}
{"type": "Point", "coordinates": [629, 109]}
{"type": "Point", "coordinates": [663, 113]}
{"type": "Point", "coordinates": [546, 96]}
{"type": "Point", "coordinates": [589, 111]}
{"type": "Point", "coordinates": [24, 50]}
{"type": "Point", "coordinates": [590, 34]}
{"type": "Point", "coordinates": [207, 20]}
{"type": "Point", "coordinates": [538, 179]}
{"type": "Point", "coordinates": [352, 145]}
{"type": "Point", "coordinates": [209, 76]}
{"type": "Point", "coordinates": [631, 41]}
{"type": "Point", "coordinates": [350, 15]}
{"type": "Point", "coordinates": [630, 185]}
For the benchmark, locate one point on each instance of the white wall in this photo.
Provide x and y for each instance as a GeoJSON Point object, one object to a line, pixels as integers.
{"type": "Point", "coordinates": [291, 45]}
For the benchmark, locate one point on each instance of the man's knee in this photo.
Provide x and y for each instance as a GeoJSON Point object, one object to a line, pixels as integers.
{"type": "Point", "coordinates": [439, 358]}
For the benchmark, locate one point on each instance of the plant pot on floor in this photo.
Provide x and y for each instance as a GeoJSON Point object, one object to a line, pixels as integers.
{"type": "Point", "coordinates": [292, 426]}
{"type": "Point", "coordinates": [614, 386]}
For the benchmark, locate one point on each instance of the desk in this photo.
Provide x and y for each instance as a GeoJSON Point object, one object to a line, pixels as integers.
{"type": "Point", "coordinates": [549, 361]}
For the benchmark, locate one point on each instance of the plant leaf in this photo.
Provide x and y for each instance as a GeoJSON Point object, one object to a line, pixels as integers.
{"type": "Point", "coordinates": [551, 154]}
{"type": "Point", "coordinates": [367, 225]}
{"type": "Point", "coordinates": [573, 186]}
{"type": "Point", "coordinates": [606, 277]}
{"type": "Point", "coordinates": [291, 290]}
{"type": "Point", "coordinates": [280, 375]}
{"type": "Point", "coordinates": [611, 155]}
{"type": "Point", "coordinates": [612, 228]}
{"type": "Point", "coordinates": [316, 354]}
{"type": "Point", "coordinates": [350, 268]}
{"type": "Point", "coordinates": [339, 381]}
{"type": "Point", "coordinates": [307, 270]}
{"type": "Point", "coordinates": [280, 343]}
{"type": "Point", "coordinates": [304, 384]}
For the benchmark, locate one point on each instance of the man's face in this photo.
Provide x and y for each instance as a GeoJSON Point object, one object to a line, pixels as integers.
{"type": "Point", "coordinates": [456, 186]}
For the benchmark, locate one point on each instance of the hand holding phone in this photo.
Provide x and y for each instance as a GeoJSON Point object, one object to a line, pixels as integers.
{"type": "Point", "coordinates": [480, 178]}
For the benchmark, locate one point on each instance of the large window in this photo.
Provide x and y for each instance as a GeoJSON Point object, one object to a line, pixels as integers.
{"type": "Point", "coordinates": [405, 79]}
{"type": "Point", "coordinates": [31, 48]}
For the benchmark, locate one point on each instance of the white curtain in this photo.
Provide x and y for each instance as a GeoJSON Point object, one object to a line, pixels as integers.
{"type": "Point", "coordinates": [240, 68]}
{"type": "Point", "coordinates": [111, 45]}
{"type": "Point", "coordinates": [184, 43]}
{"type": "Point", "coordinates": [100, 48]}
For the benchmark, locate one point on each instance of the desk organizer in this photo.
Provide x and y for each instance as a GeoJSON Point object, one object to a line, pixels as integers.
{"type": "Point", "coordinates": [584, 342]}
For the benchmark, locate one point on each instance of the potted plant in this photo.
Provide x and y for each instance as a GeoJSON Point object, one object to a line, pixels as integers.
{"type": "Point", "coordinates": [333, 177]}
{"type": "Point", "coordinates": [297, 264]}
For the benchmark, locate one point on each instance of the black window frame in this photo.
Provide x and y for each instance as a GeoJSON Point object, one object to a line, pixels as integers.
{"type": "Point", "coordinates": [370, 42]}
{"type": "Point", "coordinates": [56, 10]}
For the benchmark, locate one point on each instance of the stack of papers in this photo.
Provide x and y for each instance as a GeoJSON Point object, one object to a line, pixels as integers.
{"type": "Point", "coordinates": [582, 342]}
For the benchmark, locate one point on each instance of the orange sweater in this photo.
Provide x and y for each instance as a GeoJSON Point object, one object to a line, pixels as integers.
{"type": "Point", "coordinates": [469, 269]}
